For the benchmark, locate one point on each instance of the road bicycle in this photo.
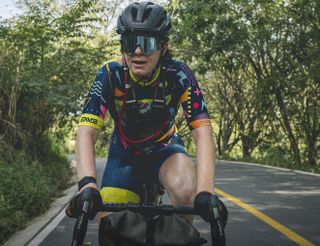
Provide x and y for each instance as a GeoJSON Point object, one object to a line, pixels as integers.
{"type": "Point", "coordinates": [150, 207]}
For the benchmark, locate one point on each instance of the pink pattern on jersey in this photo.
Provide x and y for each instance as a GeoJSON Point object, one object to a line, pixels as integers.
{"type": "Point", "coordinates": [103, 111]}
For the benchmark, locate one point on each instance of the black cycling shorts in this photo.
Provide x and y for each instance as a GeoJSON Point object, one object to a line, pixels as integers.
{"type": "Point", "coordinates": [124, 173]}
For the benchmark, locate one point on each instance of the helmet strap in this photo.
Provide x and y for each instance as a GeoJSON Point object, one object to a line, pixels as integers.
{"type": "Point", "coordinates": [164, 50]}
{"type": "Point", "coordinates": [159, 97]}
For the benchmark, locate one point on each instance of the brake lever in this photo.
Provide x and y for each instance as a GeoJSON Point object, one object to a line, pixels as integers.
{"type": "Point", "coordinates": [217, 230]}
{"type": "Point", "coordinates": [80, 228]}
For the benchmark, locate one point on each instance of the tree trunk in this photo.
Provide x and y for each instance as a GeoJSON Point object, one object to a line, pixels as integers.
{"type": "Point", "coordinates": [312, 152]}
{"type": "Point", "coordinates": [287, 127]}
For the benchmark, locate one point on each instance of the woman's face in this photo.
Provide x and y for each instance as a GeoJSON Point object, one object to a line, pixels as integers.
{"type": "Point", "coordinates": [142, 65]}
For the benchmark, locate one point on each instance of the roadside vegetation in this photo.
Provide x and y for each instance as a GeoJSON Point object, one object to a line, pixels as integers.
{"type": "Point", "coordinates": [257, 63]}
{"type": "Point", "coordinates": [29, 183]}
{"type": "Point", "coordinates": [49, 57]}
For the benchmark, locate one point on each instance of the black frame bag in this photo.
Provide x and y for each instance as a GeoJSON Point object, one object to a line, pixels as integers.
{"type": "Point", "coordinates": [129, 229]}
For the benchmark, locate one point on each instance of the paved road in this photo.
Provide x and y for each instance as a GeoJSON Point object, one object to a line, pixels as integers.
{"type": "Point", "coordinates": [266, 207]}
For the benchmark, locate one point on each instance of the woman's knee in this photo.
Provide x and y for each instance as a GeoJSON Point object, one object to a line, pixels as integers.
{"type": "Point", "coordinates": [178, 177]}
{"type": "Point", "coordinates": [183, 193]}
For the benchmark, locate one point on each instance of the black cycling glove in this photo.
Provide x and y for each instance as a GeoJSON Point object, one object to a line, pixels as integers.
{"type": "Point", "coordinates": [205, 202]}
{"type": "Point", "coordinates": [91, 195]}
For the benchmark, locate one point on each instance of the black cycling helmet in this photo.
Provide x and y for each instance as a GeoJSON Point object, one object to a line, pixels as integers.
{"type": "Point", "coordinates": [146, 18]}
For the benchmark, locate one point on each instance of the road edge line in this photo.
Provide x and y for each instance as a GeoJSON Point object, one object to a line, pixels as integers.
{"type": "Point", "coordinates": [271, 222]}
{"type": "Point", "coordinates": [47, 228]}
{"type": "Point", "coordinates": [267, 166]}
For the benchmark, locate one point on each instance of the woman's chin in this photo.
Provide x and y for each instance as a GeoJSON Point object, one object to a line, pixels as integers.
{"type": "Point", "coordinates": [140, 74]}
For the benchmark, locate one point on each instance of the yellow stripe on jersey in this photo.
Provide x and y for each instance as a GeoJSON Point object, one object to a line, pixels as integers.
{"type": "Point", "coordinates": [109, 72]}
{"type": "Point", "coordinates": [91, 120]}
{"type": "Point", "coordinates": [189, 102]}
{"type": "Point", "coordinates": [145, 83]}
{"type": "Point", "coordinates": [118, 195]}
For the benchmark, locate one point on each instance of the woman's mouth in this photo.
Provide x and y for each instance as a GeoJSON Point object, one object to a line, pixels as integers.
{"type": "Point", "coordinates": [139, 62]}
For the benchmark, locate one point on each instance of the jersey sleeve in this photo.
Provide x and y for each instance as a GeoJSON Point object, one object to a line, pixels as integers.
{"type": "Point", "coordinates": [95, 106]}
{"type": "Point", "coordinates": [192, 101]}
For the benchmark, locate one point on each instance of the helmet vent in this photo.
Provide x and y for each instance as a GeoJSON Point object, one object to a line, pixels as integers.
{"type": "Point", "coordinates": [134, 13]}
{"type": "Point", "coordinates": [146, 14]}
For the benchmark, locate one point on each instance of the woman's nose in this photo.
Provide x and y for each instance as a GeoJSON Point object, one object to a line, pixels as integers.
{"type": "Point", "coordinates": [138, 51]}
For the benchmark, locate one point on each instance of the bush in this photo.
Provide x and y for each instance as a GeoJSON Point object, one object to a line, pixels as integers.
{"type": "Point", "coordinates": [274, 156]}
{"type": "Point", "coordinates": [28, 186]}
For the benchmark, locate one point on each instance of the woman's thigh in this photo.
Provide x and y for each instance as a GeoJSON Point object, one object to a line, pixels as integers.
{"type": "Point", "coordinates": [178, 176]}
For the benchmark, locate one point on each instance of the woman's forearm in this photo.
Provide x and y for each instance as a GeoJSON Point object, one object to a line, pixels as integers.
{"type": "Point", "coordinates": [85, 152]}
{"type": "Point", "coordinates": [205, 154]}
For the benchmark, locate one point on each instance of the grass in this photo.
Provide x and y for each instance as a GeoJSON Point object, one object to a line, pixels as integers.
{"type": "Point", "coordinates": [28, 184]}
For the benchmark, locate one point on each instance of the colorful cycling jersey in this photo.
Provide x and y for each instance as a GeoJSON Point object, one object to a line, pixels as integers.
{"type": "Point", "coordinates": [138, 122]}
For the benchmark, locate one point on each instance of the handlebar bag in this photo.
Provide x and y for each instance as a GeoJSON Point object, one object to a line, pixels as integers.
{"type": "Point", "coordinates": [129, 228]}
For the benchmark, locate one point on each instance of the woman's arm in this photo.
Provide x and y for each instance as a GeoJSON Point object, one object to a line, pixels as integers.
{"type": "Point", "coordinates": [205, 154]}
{"type": "Point", "coordinates": [85, 153]}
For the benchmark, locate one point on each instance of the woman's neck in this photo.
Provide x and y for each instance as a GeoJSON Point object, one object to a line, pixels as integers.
{"type": "Point", "coordinates": [146, 80]}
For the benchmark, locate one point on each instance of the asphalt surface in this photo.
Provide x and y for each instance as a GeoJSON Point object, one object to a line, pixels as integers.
{"type": "Point", "coordinates": [289, 199]}
{"type": "Point", "coordinates": [292, 199]}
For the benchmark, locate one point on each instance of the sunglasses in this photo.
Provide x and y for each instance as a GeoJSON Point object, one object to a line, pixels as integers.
{"type": "Point", "coordinates": [147, 44]}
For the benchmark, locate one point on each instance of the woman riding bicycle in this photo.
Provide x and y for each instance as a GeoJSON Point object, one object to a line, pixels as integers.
{"type": "Point", "coordinates": [143, 95]}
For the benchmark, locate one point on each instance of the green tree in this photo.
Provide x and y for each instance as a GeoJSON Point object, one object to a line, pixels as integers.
{"type": "Point", "coordinates": [48, 63]}
{"type": "Point", "coordinates": [274, 47]}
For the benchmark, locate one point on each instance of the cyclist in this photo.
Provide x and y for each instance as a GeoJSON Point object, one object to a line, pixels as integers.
{"type": "Point", "coordinates": [143, 95]}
